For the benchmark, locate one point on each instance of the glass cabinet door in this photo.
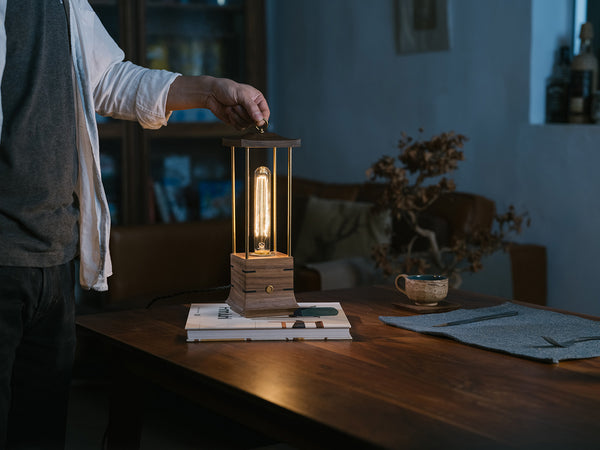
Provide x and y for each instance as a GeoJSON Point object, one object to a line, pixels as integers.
{"type": "Point", "coordinates": [196, 37]}
{"type": "Point", "coordinates": [182, 165]}
{"type": "Point", "coordinates": [190, 174]}
{"type": "Point", "coordinates": [108, 11]}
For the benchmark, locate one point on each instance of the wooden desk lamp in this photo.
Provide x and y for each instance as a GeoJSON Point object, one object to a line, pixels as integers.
{"type": "Point", "coordinates": [262, 280]}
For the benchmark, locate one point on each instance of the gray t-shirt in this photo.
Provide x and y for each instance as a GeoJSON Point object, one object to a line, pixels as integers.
{"type": "Point", "coordinates": [38, 158]}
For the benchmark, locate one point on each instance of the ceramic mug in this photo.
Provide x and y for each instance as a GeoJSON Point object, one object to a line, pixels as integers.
{"type": "Point", "coordinates": [423, 289]}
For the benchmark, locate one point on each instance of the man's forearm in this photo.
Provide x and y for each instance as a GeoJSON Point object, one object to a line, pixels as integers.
{"type": "Point", "coordinates": [189, 92]}
{"type": "Point", "coordinates": [237, 104]}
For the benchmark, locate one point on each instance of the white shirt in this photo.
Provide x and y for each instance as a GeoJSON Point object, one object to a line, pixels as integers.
{"type": "Point", "coordinates": [112, 87]}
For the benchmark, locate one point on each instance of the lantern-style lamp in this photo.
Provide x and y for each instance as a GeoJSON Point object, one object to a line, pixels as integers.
{"type": "Point", "coordinates": [262, 278]}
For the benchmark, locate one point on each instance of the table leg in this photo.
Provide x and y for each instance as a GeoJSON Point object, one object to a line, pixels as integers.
{"type": "Point", "coordinates": [125, 410]}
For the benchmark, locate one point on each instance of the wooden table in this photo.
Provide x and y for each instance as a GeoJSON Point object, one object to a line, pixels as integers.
{"type": "Point", "coordinates": [387, 388]}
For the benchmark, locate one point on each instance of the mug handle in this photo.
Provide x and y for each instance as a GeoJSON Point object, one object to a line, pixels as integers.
{"type": "Point", "coordinates": [403, 275]}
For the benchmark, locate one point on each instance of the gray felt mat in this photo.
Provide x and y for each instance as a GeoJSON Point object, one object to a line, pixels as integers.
{"type": "Point", "coordinates": [519, 335]}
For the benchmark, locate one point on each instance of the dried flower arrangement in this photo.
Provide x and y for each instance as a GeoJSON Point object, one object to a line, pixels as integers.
{"type": "Point", "coordinates": [410, 189]}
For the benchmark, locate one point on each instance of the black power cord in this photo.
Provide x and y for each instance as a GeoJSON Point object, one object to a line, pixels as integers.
{"type": "Point", "coordinates": [193, 291]}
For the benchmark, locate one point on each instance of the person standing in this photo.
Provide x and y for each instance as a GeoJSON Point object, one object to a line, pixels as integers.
{"type": "Point", "coordinates": [59, 67]}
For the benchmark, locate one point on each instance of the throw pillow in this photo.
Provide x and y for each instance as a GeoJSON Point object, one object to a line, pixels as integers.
{"type": "Point", "coordinates": [334, 229]}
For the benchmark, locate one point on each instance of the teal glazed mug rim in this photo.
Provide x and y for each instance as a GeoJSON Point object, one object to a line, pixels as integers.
{"type": "Point", "coordinates": [426, 277]}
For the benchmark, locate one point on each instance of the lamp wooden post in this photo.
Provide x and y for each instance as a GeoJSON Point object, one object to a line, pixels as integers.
{"type": "Point", "coordinates": [262, 278]}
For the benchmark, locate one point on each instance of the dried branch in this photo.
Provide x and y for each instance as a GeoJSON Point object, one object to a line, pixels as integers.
{"type": "Point", "coordinates": [411, 188]}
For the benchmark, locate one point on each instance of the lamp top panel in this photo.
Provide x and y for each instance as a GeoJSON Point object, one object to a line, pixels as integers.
{"type": "Point", "coordinates": [261, 140]}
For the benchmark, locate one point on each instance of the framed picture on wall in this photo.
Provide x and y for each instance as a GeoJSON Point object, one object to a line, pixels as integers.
{"type": "Point", "coordinates": [422, 26]}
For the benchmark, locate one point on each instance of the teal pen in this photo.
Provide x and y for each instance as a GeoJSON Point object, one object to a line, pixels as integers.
{"type": "Point", "coordinates": [478, 319]}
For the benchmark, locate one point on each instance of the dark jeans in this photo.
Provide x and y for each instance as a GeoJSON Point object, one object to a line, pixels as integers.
{"type": "Point", "coordinates": [37, 347]}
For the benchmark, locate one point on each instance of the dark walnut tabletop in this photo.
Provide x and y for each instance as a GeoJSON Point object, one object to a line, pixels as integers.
{"type": "Point", "coordinates": [387, 388]}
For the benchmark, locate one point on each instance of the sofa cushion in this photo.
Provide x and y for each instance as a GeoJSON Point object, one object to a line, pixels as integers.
{"type": "Point", "coordinates": [348, 272]}
{"type": "Point", "coordinates": [302, 190]}
{"type": "Point", "coordinates": [334, 229]}
{"type": "Point", "coordinates": [154, 260]}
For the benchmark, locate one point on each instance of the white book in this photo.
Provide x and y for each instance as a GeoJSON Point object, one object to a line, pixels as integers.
{"type": "Point", "coordinates": [218, 322]}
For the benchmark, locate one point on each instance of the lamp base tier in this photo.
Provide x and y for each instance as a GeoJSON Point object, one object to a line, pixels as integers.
{"type": "Point", "coordinates": [262, 285]}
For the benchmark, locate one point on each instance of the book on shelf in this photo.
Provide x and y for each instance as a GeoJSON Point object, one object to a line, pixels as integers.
{"type": "Point", "coordinates": [218, 322]}
{"type": "Point", "coordinates": [162, 203]}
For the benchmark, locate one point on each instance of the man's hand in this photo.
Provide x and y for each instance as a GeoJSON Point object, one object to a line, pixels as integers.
{"type": "Point", "coordinates": [238, 104]}
{"type": "Point", "coordinates": [234, 103]}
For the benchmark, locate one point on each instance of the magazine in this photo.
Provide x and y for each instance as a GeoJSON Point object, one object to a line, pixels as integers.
{"type": "Point", "coordinates": [218, 322]}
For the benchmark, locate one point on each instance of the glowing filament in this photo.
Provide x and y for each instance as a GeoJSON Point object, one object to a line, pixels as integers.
{"type": "Point", "coordinates": [262, 211]}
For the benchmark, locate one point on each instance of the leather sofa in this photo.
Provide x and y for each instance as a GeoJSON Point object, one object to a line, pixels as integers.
{"type": "Point", "coordinates": [182, 261]}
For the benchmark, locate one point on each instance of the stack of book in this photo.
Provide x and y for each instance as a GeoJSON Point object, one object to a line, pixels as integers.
{"type": "Point", "coordinates": [218, 322]}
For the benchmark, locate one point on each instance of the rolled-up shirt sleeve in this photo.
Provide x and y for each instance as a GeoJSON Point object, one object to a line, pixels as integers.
{"type": "Point", "coordinates": [130, 92]}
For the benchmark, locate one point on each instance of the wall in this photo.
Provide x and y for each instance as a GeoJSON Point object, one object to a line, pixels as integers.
{"type": "Point", "coordinates": [336, 81]}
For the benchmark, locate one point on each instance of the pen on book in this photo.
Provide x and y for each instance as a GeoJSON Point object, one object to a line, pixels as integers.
{"type": "Point", "coordinates": [477, 319]}
{"type": "Point", "coordinates": [310, 311]}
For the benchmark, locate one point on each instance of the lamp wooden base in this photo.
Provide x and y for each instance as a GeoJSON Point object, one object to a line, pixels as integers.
{"type": "Point", "coordinates": [262, 285]}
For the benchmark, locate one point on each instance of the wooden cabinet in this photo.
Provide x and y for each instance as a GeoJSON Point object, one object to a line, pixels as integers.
{"type": "Point", "coordinates": [184, 162]}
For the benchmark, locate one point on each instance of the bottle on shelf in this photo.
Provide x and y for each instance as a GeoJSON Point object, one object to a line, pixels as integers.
{"type": "Point", "coordinates": [584, 74]}
{"type": "Point", "coordinates": [557, 89]}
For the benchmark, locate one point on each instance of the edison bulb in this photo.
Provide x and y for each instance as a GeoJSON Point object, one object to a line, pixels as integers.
{"type": "Point", "coordinates": [262, 211]}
